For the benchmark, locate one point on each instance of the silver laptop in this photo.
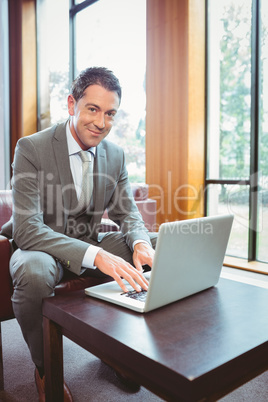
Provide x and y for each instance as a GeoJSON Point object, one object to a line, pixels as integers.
{"type": "Point", "coordinates": [188, 259]}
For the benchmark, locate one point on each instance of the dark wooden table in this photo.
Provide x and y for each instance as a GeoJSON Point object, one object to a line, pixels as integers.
{"type": "Point", "coordinates": [199, 348]}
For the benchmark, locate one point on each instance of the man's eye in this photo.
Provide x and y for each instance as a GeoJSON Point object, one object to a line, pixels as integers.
{"type": "Point", "coordinates": [92, 109]}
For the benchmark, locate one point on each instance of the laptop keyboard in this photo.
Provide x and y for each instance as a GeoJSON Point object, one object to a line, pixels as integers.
{"type": "Point", "coordinates": [141, 296]}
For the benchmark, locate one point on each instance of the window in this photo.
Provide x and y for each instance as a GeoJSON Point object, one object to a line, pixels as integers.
{"type": "Point", "coordinates": [53, 61]}
{"type": "Point", "coordinates": [110, 33]}
{"type": "Point", "coordinates": [237, 122]}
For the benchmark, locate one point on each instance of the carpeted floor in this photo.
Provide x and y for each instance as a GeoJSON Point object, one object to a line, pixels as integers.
{"type": "Point", "coordinates": [88, 378]}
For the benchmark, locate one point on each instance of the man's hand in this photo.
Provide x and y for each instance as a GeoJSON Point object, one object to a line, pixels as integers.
{"type": "Point", "coordinates": [118, 268]}
{"type": "Point", "coordinates": [143, 254]}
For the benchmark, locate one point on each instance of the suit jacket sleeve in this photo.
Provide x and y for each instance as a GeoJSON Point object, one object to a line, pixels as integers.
{"type": "Point", "coordinates": [30, 232]}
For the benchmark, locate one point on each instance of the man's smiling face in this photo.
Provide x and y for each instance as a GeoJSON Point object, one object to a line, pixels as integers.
{"type": "Point", "coordinates": [92, 116]}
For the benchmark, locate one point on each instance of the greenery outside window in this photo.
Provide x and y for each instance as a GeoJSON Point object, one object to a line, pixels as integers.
{"type": "Point", "coordinates": [237, 122]}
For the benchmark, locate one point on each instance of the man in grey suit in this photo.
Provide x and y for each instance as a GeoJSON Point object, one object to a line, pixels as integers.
{"type": "Point", "coordinates": [52, 230]}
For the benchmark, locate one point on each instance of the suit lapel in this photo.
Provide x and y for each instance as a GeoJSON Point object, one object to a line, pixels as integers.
{"type": "Point", "coordinates": [62, 160]}
{"type": "Point", "coordinates": [100, 174]}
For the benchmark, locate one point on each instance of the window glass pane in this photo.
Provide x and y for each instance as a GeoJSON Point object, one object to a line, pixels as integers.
{"type": "Point", "coordinates": [117, 40]}
{"type": "Point", "coordinates": [263, 199]}
{"type": "Point", "coordinates": [232, 199]}
{"type": "Point", "coordinates": [229, 83]}
{"type": "Point", "coordinates": [262, 244]}
{"type": "Point", "coordinates": [53, 61]}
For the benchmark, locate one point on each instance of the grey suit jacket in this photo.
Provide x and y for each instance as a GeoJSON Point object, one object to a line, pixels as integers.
{"type": "Point", "coordinates": [43, 191]}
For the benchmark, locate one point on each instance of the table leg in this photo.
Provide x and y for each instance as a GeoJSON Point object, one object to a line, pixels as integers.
{"type": "Point", "coordinates": [1, 363]}
{"type": "Point", "coordinates": [53, 355]}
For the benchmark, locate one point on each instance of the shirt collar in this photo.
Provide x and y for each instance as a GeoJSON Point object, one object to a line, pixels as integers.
{"type": "Point", "coordinates": [73, 147]}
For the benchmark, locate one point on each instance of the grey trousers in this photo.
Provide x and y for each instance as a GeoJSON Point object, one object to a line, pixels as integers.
{"type": "Point", "coordinates": [35, 275]}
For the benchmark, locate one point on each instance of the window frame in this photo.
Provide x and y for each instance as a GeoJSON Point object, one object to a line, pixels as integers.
{"type": "Point", "coordinates": [253, 179]}
{"type": "Point", "coordinates": [74, 9]}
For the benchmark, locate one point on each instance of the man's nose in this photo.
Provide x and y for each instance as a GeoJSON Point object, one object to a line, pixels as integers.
{"type": "Point", "coordinates": [100, 120]}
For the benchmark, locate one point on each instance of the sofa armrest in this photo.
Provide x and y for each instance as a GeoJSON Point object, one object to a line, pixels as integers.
{"type": "Point", "coordinates": [6, 289]}
{"type": "Point", "coordinates": [147, 210]}
{"type": "Point", "coordinates": [140, 191]}
{"type": "Point", "coordinates": [146, 206]}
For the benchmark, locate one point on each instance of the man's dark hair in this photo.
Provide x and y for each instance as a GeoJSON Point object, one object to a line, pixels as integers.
{"type": "Point", "coordinates": [95, 76]}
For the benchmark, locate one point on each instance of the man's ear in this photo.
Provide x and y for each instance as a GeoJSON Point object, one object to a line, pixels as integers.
{"type": "Point", "coordinates": [71, 104]}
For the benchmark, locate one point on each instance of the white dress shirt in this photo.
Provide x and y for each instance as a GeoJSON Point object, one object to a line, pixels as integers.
{"type": "Point", "coordinates": [76, 169]}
